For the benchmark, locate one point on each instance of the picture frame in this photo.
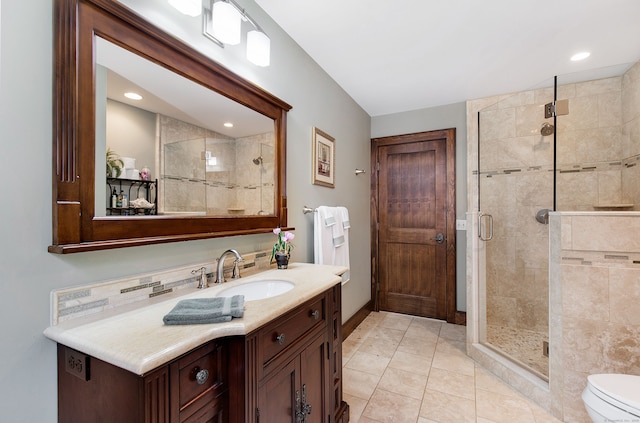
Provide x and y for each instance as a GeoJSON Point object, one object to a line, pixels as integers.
{"type": "Point", "coordinates": [323, 161]}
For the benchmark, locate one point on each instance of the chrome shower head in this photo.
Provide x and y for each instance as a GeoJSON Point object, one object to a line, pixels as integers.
{"type": "Point", "coordinates": [257, 160]}
{"type": "Point", "coordinates": [547, 129]}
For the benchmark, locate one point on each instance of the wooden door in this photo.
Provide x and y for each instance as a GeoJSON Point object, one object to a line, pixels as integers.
{"type": "Point", "coordinates": [414, 218]}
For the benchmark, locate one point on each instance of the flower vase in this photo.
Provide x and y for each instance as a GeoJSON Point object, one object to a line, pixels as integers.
{"type": "Point", "coordinates": [282, 260]}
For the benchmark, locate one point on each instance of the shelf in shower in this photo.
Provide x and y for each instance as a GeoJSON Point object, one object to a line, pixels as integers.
{"type": "Point", "coordinates": [613, 206]}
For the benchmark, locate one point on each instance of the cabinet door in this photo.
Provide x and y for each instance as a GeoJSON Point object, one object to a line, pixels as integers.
{"type": "Point", "coordinates": [277, 394]}
{"type": "Point", "coordinates": [315, 377]}
{"type": "Point", "coordinates": [210, 413]}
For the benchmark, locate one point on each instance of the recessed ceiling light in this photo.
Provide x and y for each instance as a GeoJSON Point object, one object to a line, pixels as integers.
{"type": "Point", "coordinates": [228, 124]}
{"type": "Point", "coordinates": [133, 96]}
{"type": "Point", "coordinates": [580, 56]}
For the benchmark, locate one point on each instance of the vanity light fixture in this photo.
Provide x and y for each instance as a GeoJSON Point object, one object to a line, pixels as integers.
{"type": "Point", "coordinates": [226, 23]}
{"type": "Point", "coordinates": [187, 7]}
{"type": "Point", "coordinates": [228, 125]}
{"type": "Point", "coordinates": [580, 56]}
{"type": "Point", "coordinates": [222, 24]}
{"type": "Point", "coordinates": [133, 96]}
{"type": "Point", "coordinates": [258, 48]}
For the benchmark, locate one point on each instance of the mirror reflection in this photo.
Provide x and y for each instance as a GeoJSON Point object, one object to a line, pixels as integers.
{"type": "Point", "coordinates": [182, 149]}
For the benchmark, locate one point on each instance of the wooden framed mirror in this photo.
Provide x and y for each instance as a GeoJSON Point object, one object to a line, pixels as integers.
{"type": "Point", "coordinates": [79, 219]}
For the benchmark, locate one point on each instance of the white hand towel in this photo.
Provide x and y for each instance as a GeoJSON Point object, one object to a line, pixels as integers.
{"type": "Point", "coordinates": [323, 235]}
{"type": "Point", "coordinates": [342, 251]}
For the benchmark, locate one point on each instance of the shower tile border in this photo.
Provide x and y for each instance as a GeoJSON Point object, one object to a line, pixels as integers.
{"type": "Point", "coordinates": [600, 258]}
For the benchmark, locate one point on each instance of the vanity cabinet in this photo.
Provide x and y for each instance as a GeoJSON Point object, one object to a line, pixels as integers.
{"type": "Point", "coordinates": [294, 366]}
{"type": "Point", "coordinates": [296, 390]}
{"type": "Point", "coordinates": [287, 370]}
{"type": "Point", "coordinates": [192, 388]}
{"type": "Point", "coordinates": [299, 364]}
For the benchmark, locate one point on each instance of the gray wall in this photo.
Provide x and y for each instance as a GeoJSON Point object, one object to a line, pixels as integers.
{"type": "Point", "coordinates": [131, 132]}
{"type": "Point", "coordinates": [443, 117]}
{"type": "Point", "coordinates": [29, 273]}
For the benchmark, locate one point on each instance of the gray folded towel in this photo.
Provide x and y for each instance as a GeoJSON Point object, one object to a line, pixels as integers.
{"type": "Point", "coordinates": [198, 311]}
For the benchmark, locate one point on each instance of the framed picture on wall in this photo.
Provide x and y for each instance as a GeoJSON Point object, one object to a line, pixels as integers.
{"type": "Point", "coordinates": [324, 158]}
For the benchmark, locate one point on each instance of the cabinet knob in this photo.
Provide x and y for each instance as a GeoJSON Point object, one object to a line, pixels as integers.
{"type": "Point", "coordinates": [202, 376]}
{"type": "Point", "coordinates": [280, 339]}
{"type": "Point", "coordinates": [315, 314]}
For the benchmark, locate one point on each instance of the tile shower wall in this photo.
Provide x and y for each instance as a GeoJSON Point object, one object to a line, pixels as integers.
{"type": "Point", "coordinates": [515, 182]}
{"type": "Point", "coordinates": [233, 185]}
{"type": "Point", "coordinates": [595, 289]}
{"type": "Point", "coordinates": [85, 300]}
{"type": "Point", "coordinates": [589, 144]}
{"type": "Point", "coordinates": [595, 155]}
{"type": "Point", "coordinates": [631, 135]}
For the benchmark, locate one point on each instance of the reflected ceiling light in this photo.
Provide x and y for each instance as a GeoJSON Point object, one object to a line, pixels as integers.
{"type": "Point", "coordinates": [133, 96]}
{"type": "Point", "coordinates": [228, 125]}
{"type": "Point", "coordinates": [580, 56]}
{"type": "Point", "coordinates": [258, 48]}
{"type": "Point", "coordinates": [226, 23]}
{"type": "Point", "coordinates": [223, 25]}
{"type": "Point", "coordinates": [187, 7]}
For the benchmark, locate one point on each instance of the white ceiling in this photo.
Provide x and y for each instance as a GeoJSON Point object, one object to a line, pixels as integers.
{"type": "Point", "coordinates": [400, 55]}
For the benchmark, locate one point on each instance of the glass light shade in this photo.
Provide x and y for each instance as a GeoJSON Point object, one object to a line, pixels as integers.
{"type": "Point", "coordinates": [226, 23]}
{"type": "Point", "coordinates": [187, 7]}
{"type": "Point", "coordinates": [258, 48]}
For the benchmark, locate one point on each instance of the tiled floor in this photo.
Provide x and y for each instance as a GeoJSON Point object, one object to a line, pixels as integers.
{"type": "Point", "coordinates": [404, 369]}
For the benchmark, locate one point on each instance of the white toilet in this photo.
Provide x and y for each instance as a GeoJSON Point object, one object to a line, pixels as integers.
{"type": "Point", "coordinates": [612, 398]}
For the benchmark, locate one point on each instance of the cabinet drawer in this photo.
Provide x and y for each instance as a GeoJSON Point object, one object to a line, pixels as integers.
{"type": "Point", "coordinates": [286, 331]}
{"type": "Point", "coordinates": [200, 375]}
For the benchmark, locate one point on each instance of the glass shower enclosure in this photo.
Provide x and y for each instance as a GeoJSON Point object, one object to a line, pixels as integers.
{"type": "Point", "coordinates": [532, 161]}
{"type": "Point", "coordinates": [515, 184]}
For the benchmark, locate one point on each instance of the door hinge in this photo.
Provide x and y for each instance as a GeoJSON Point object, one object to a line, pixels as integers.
{"type": "Point", "coordinates": [377, 166]}
{"type": "Point", "coordinates": [556, 108]}
{"type": "Point", "coordinates": [257, 414]}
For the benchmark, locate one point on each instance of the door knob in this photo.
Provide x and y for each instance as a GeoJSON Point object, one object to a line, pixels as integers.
{"type": "Point", "coordinates": [439, 238]}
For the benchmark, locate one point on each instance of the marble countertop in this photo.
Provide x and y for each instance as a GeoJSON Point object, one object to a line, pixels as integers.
{"type": "Point", "coordinates": [137, 340]}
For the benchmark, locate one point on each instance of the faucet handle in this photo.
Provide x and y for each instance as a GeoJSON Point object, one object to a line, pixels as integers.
{"type": "Point", "coordinates": [203, 277]}
{"type": "Point", "coordinates": [235, 274]}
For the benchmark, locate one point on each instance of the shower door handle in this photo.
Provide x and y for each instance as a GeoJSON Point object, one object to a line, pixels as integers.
{"type": "Point", "coordinates": [484, 236]}
{"type": "Point", "coordinates": [438, 238]}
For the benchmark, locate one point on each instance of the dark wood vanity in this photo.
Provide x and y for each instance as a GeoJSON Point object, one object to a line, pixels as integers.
{"type": "Point", "coordinates": [284, 363]}
{"type": "Point", "coordinates": [288, 370]}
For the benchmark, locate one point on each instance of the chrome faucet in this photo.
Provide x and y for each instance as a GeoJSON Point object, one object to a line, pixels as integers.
{"type": "Point", "coordinates": [236, 271]}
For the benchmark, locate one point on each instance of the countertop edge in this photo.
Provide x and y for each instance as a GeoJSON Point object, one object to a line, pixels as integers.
{"type": "Point", "coordinates": [156, 344]}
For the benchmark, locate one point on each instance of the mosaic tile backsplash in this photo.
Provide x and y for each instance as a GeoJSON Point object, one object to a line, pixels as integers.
{"type": "Point", "coordinates": [85, 300]}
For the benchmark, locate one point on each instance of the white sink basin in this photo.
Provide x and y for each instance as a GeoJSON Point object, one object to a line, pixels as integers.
{"type": "Point", "coordinates": [258, 290]}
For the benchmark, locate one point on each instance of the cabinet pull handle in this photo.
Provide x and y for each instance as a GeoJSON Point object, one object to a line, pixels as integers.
{"type": "Point", "coordinates": [300, 417]}
{"type": "Point", "coordinates": [201, 376]}
{"type": "Point", "coordinates": [280, 339]}
{"type": "Point", "coordinates": [306, 408]}
{"type": "Point", "coordinates": [315, 314]}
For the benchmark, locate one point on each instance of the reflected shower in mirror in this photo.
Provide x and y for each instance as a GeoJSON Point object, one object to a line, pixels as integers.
{"type": "Point", "coordinates": [196, 143]}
